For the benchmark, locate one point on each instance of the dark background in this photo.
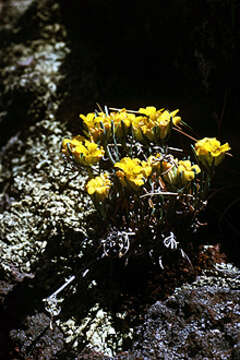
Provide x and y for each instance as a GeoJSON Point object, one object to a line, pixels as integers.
{"type": "Point", "coordinates": [175, 53]}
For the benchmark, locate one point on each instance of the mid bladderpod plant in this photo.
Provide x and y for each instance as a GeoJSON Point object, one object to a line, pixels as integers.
{"type": "Point", "coordinates": [147, 193]}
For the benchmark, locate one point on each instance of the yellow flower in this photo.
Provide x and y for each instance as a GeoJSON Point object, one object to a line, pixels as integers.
{"type": "Point", "coordinates": [101, 123]}
{"type": "Point", "coordinates": [156, 125]}
{"type": "Point", "coordinates": [120, 116]}
{"type": "Point", "coordinates": [163, 122]}
{"type": "Point", "coordinates": [210, 151]}
{"type": "Point", "coordinates": [89, 120]}
{"type": "Point", "coordinates": [103, 119]}
{"type": "Point", "coordinates": [89, 153]}
{"type": "Point", "coordinates": [186, 171]}
{"type": "Point", "coordinates": [130, 167]}
{"type": "Point", "coordinates": [169, 171]}
{"type": "Point", "coordinates": [143, 127]}
{"type": "Point", "coordinates": [83, 151]}
{"type": "Point", "coordinates": [179, 172]}
{"type": "Point", "coordinates": [122, 119]}
{"type": "Point", "coordinates": [95, 124]}
{"type": "Point", "coordinates": [175, 119]}
{"type": "Point", "coordinates": [155, 161]}
{"type": "Point", "coordinates": [132, 172]}
{"type": "Point", "coordinates": [99, 186]}
{"type": "Point", "coordinates": [150, 111]}
{"type": "Point", "coordinates": [71, 144]}
{"type": "Point", "coordinates": [146, 169]}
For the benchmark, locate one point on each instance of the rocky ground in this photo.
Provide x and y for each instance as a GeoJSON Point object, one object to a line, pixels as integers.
{"type": "Point", "coordinates": [49, 233]}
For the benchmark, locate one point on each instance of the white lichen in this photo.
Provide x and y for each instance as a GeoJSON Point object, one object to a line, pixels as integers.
{"type": "Point", "coordinates": [220, 276]}
{"type": "Point", "coordinates": [41, 206]}
{"type": "Point", "coordinates": [97, 331]}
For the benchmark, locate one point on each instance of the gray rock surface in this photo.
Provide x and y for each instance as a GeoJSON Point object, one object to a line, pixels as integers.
{"type": "Point", "coordinates": [32, 50]}
{"type": "Point", "coordinates": [199, 321]}
{"type": "Point", "coordinates": [32, 170]}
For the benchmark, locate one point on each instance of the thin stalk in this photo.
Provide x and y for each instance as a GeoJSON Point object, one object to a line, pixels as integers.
{"type": "Point", "coordinates": [165, 193]}
{"type": "Point", "coordinates": [129, 111]}
{"type": "Point", "coordinates": [67, 282]}
{"type": "Point", "coordinates": [110, 155]}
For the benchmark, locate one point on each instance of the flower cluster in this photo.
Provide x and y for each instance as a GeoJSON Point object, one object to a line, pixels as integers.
{"type": "Point", "coordinates": [100, 125]}
{"type": "Point", "coordinates": [156, 125]}
{"type": "Point", "coordinates": [135, 175]}
{"type": "Point", "coordinates": [179, 172]}
{"type": "Point", "coordinates": [83, 151]}
{"type": "Point", "coordinates": [99, 186]}
{"type": "Point", "coordinates": [147, 123]}
{"type": "Point", "coordinates": [210, 151]}
{"type": "Point", "coordinates": [133, 172]}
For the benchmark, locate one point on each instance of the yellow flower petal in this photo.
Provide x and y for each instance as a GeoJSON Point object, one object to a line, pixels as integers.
{"type": "Point", "coordinates": [99, 186]}
{"type": "Point", "coordinates": [210, 151]}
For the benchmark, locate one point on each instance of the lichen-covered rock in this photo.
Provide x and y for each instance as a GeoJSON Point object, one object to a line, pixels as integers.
{"type": "Point", "coordinates": [38, 200]}
{"type": "Point", "coordinates": [97, 332]}
{"type": "Point", "coordinates": [38, 339]}
{"type": "Point", "coordinates": [44, 206]}
{"type": "Point", "coordinates": [34, 48]}
{"type": "Point", "coordinates": [199, 321]}
{"type": "Point", "coordinates": [40, 203]}
{"type": "Point", "coordinates": [11, 11]}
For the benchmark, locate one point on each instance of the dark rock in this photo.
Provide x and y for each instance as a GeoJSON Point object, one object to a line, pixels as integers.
{"type": "Point", "coordinates": [37, 339]}
{"type": "Point", "coordinates": [198, 324]}
{"type": "Point", "coordinates": [5, 289]}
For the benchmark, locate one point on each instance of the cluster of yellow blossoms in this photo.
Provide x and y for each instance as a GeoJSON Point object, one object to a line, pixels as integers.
{"type": "Point", "coordinates": [83, 151]}
{"type": "Point", "coordinates": [99, 186]}
{"type": "Point", "coordinates": [133, 172]}
{"type": "Point", "coordinates": [210, 152]}
{"type": "Point", "coordinates": [156, 125]}
{"type": "Point", "coordinates": [147, 125]}
{"type": "Point", "coordinates": [101, 125]}
{"type": "Point", "coordinates": [179, 172]}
